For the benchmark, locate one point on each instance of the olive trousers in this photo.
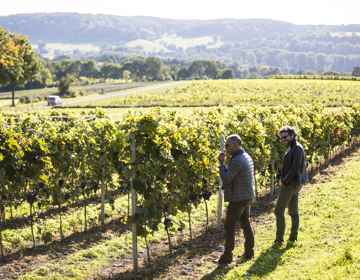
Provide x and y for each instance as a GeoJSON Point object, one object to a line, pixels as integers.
{"type": "Point", "coordinates": [238, 211]}
{"type": "Point", "coordinates": [288, 197]}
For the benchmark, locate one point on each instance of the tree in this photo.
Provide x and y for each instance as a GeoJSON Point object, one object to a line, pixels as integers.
{"type": "Point", "coordinates": [126, 75]}
{"type": "Point", "coordinates": [197, 68]}
{"type": "Point", "coordinates": [264, 70]}
{"type": "Point", "coordinates": [66, 66]}
{"type": "Point", "coordinates": [138, 69]}
{"type": "Point", "coordinates": [183, 73]}
{"type": "Point", "coordinates": [213, 69]}
{"type": "Point", "coordinates": [64, 84]}
{"type": "Point", "coordinates": [174, 70]}
{"type": "Point", "coordinates": [89, 69]}
{"type": "Point", "coordinates": [45, 77]}
{"type": "Point", "coordinates": [254, 69]}
{"type": "Point", "coordinates": [228, 74]}
{"type": "Point", "coordinates": [356, 71]}
{"type": "Point", "coordinates": [154, 69]}
{"type": "Point", "coordinates": [18, 63]}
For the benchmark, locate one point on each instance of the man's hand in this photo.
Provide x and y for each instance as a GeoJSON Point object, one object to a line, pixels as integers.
{"type": "Point", "coordinates": [282, 185]}
{"type": "Point", "coordinates": [221, 157]}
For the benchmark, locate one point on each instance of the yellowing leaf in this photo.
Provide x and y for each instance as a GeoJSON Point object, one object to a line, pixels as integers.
{"type": "Point", "coordinates": [140, 150]}
{"type": "Point", "coordinates": [123, 220]}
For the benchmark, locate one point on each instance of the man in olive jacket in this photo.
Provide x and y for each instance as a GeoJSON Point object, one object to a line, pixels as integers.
{"type": "Point", "coordinates": [238, 186]}
{"type": "Point", "coordinates": [294, 174]}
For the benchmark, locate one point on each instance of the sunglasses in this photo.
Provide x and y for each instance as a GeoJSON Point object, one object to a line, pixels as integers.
{"type": "Point", "coordinates": [227, 145]}
{"type": "Point", "coordinates": [284, 137]}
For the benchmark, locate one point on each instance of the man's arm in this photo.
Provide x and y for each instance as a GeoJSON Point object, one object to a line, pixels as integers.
{"type": "Point", "coordinates": [228, 174]}
{"type": "Point", "coordinates": [295, 166]}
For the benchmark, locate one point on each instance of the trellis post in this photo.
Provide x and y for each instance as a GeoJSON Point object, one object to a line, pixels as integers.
{"type": "Point", "coordinates": [220, 202]}
{"type": "Point", "coordinates": [329, 150]}
{"type": "Point", "coordinates": [103, 190]}
{"type": "Point", "coordinates": [133, 202]}
{"type": "Point", "coordinates": [272, 176]}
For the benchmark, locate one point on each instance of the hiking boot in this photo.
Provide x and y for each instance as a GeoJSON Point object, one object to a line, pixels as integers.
{"type": "Point", "coordinates": [278, 242]}
{"type": "Point", "coordinates": [225, 259]}
{"type": "Point", "coordinates": [246, 256]}
{"type": "Point", "coordinates": [292, 239]}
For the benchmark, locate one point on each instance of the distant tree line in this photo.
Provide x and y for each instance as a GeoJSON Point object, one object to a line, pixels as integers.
{"type": "Point", "coordinates": [141, 68]}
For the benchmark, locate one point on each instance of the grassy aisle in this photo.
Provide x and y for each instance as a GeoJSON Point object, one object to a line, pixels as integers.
{"type": "Point", "coordinates": [328, 246]}
{"type": "Point", "coordinates": [90, 262]}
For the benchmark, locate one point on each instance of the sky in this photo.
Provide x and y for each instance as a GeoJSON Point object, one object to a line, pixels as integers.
{"type": "Point", "coordinates": [315, 12]}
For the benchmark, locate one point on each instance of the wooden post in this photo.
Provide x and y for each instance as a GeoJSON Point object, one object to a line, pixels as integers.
{"type": "Point", "coordinates": [103, 190]}
{"type": "Point", "coordinates": [220, 202]}
{"type": "Point", "coordinates": [272, 178]}
{"type": "Point", "coordinates": [3, 186]}
{"type": "Point", "coordinates": [329, 150]}
{"type": "Point", "coordinates": [133, 202]}
{"type": "Point", "coordinates": [355, 141]}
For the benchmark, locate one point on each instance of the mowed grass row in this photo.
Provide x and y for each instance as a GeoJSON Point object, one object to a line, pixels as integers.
{"type": "Point", "coordinates": [328, 245]}
{"type": "Point", "coordinates": [90, 262]}
{"type": "Point", "coordinates": [73, 221]}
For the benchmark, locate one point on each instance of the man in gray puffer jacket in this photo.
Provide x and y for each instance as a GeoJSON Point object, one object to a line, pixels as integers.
{"type": "Point", "coordinates": [238, 186]}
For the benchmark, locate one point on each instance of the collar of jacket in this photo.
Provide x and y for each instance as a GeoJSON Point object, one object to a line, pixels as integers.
{"type": "Point", "coordinates": [293, 142]}
{"type": "Point", "coordinates": [292, 145]}
{"type": "Point", "coordinates": [239, 152]}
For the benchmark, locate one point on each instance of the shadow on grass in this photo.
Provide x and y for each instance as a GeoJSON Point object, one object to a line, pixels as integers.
{"type": "Point", "coordinates": [71, 244]}
{"type": "Point", "coordinates": [268, 260]}
{"type": "Point", "coordinates": [262, 265]}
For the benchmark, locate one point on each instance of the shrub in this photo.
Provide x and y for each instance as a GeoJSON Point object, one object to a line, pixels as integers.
{"type": "Point", "coordinates": [25, 99]}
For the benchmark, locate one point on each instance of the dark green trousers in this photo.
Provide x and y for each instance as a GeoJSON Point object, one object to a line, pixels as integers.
{"type": "Point", "coordinates": [238, 211]}
{"type": "Point", "coordinates": [288, 197]}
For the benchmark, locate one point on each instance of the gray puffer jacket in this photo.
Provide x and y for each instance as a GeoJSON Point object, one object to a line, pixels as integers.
{"type": "Point", "coordinates": [238, 177]}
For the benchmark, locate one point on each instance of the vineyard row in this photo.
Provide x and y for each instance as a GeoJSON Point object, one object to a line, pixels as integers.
{"type": "Point", "coordinates": [48, 160]}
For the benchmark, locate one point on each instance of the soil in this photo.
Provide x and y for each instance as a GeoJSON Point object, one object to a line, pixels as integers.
{"type": "Point", "coordinates": [189, 259]}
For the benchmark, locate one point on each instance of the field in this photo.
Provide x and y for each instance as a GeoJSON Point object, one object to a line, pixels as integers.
{"type": "Point", "coordinates": [242, 92]}
{"type": "Point", "coordinates": [165, 41]}
{"type": "Point", "coordinates": [67, 48]}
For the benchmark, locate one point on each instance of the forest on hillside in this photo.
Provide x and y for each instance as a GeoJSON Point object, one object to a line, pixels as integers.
{"type": "Point", "coordinates": [246, 42]}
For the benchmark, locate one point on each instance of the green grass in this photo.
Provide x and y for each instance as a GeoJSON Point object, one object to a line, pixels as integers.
{"type": "Point", "coordinates": [328, 246]}
{"type": "Point", "coordinates": [86, 262]}
{"type": "Point", "coordinates": [72, 221]}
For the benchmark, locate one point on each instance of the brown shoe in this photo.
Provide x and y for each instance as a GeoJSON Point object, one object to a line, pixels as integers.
{"type": "Point", "coordinates": [225, 259]}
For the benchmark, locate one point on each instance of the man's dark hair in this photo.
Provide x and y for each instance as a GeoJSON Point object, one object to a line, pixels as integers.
{"type": "Point", "coordinates": [289, 129]}
{"type": "Point", "coordinates": [236, 139]}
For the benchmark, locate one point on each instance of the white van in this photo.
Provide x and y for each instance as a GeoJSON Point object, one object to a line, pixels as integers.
{"type": "Point", "coordinates": [54, 100]}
